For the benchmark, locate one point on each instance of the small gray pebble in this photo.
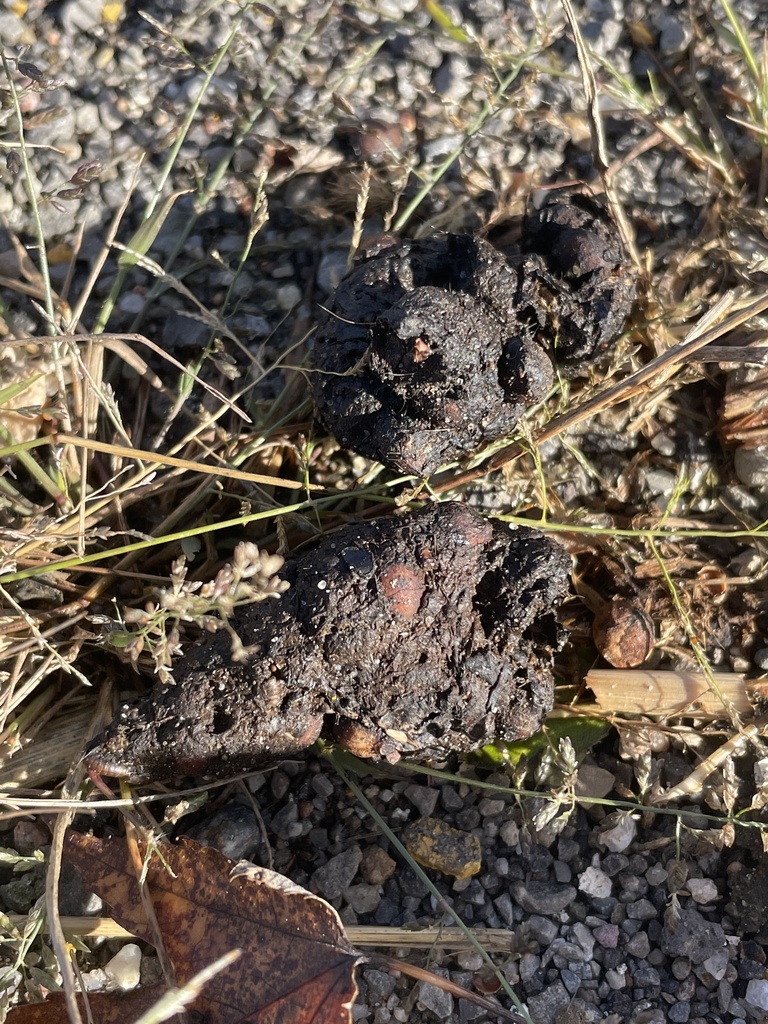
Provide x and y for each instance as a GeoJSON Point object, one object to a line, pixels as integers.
{"type": "Point", "coordinates": [502, 867]}
{"type": "Point", "coordinates": [567, 849]}
{"type": "Point", "coordinates": [584, 938]}
{"type": "Point", "coordinates": [234, 830]}
{"type": "Point", "coordinates": [642, 910]}
{"type": "Point", "coordinates": [724, 995]}
{"type": "Point", "coordinates": [380, 984]}
{"type": "Point", "coordinates": [675, 36]}
{"type": "Point", "coordinates": [504, 908]}
{"type": "Point", "coordinates": [469, 960]}
{"type": "Point", "coordinates": [717, 964]}
{"type": "Point", "coordinates": [435, 999]}
{"type": "Point", "coordinates": [570, 980]}
{"type": "Point", "coordinates": [336, 875]}
{"type": "Point", "coordinates": [562, 872]}
{"type": "Point", "coordinates": [469, 1011]}
{"type": "Point", "coordinates": [607, 935]}
{"type": "Point", "coordinates": [331, 269]}
{"type": "Point", "coordinates": [423, 798]}
{"type": "Point", "coordinates": [679, 1012]}
{"type": "Point", "coordinates": [363, 898]}
{"type": "Point", "coordinates": [646, 977]}
{"type": "Point", "coordinates": [488, 807]}
{"type": "Point", "coordinates": [542, 929]}
{"type": "Point", "coordinates": [544, 897]}
{"type": "Point", "coordinates": [529, 965]}
{"type": "Point", "coordinates": [616, 979]}
{"type": "Point", "coordinates": [660, 481]}
{"type": "Point", "coordinates": [639, 945]}
{"type": "Point", "coordinates": [547, 1005]}
{"type": "Point", "coordinates": [12, 29]}
{"type": "Point", "coordinates": [81, 16]}
{"type": "Point", "coordinates": [509, 833]}
{"type": "Point", "coordinates": [323, 786]}
{"type": "Point", "coordinates": [757, 993]}
{"type": "Point", "coordinates": [451, 799]}
{"type": "Point", "coordinates": [182, 332]}
{"type": "Point", "coordinates": [681, 968]}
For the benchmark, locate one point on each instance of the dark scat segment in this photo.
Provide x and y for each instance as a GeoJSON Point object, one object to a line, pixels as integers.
{"type": "Point", "coordinates": [587, 273]}
{"type": "Point", "coordinates": [434, 348]}
{"type": "Point", "coordinates": [438, 637]}
{"type": "Point", "coordinates": [435, 362]}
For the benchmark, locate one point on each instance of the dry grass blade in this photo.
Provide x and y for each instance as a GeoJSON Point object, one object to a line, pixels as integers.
{"type": "Point", "coordinates": [62, 823]}
{"type": "Point", "coordinates": [186, 464]}
{"type": "Point", "coordinates": [495, 940]}
{"type": "Point", "coordinates": [116, 343]}
{"type": "Point", "coordinates": [692, 784]}
{"type": "Point", "coordinates": [49, 756]}
{"type": "Point", "coordinates": [599, 149]}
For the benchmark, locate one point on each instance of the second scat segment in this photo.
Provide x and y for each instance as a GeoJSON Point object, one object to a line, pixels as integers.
{"type": "Point", "coordinates": [418, 635]}
{"type": "Point", "coordinates": [433, 348]}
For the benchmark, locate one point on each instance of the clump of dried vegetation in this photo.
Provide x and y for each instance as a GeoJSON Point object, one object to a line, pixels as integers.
{"type": "Point", "coordinates": [120, 513]}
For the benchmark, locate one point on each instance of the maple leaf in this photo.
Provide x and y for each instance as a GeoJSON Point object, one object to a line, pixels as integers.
{"type": "Point", "coordinates": [104, 1007]}
{"type": "Point", "coordinates": [297, 966]}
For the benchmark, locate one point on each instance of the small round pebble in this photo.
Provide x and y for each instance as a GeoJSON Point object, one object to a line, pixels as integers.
{"type": "Point", "coordinates": [124, 969]}
{"type": "Point", "coordinates": [607, 935]}
{"type": "Point", "coordinates": [376, 866]}
{"type": "Point", "coordinates": [703, 890]}
{"type": "Point", "coordinates": [488, 807]}
{"type": "Point", "coordinates": [679, 1012]}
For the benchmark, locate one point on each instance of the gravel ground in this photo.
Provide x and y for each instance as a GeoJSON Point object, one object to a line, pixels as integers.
{"type": "Point", "coordinates": [635, 918]}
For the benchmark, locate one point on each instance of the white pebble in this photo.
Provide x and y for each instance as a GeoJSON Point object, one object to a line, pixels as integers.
{"type": "Point", "coordinates": [757, 993]}
{"type": "Point", "coordinates": [131, 302]}
{"type": "Point", "coordinates": [95, 980]}
{"type": "Point", "coordinates": [618, 838]}
{"type": "Point", "coordinates": [717, 964]}
{"type": "Point", "coordinates": [595, 882]}
{"type": "Point", "coordinates": [288, 296]}
{"type": "Point", "coordinates": [124, 967]}
{"type": "Point", "coordinates": [703, 890]}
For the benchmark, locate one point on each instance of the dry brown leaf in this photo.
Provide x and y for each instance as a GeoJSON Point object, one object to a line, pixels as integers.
{"type": "Point", "coordinates": [105, 1007]}
{"type": "Point", "coordinates": [297, 966]}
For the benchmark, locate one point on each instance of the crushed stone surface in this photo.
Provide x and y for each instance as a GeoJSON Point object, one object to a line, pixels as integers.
{"type": "Point", "coordinates": [623, 920]}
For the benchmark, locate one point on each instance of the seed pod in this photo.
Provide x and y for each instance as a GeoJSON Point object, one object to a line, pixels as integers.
{"type": "Point", "coordinates": [30, 71]}
{"type": "Point", "coordinates": [623, 633]}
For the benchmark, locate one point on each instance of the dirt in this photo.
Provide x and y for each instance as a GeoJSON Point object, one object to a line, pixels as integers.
{"type": "Point", "coordinates": [421, 634]}
{"type": "Point", "coordinates": [433, 348]}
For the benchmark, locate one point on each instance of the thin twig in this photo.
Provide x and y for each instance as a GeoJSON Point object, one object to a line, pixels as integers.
{"type": "Point", "coordinates": [58, 939]}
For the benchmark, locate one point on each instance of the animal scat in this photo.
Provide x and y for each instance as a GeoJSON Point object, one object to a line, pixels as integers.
{"type": "Point", "coordinates": [445, 646]}
{"type": "Point", "coordinates": [433, 348]}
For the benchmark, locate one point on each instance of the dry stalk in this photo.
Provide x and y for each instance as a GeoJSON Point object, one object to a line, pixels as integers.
{"type": "Point", "coordinates": [666, 693]}
{"type": "Point", "coordinates": [495, 940]}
